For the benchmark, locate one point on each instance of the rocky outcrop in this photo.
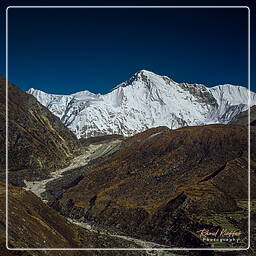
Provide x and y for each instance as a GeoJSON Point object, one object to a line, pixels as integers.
{"type": "Point", "coordinates": [38, 142]}
{"type": "Point", "coordinates": [242, 118]}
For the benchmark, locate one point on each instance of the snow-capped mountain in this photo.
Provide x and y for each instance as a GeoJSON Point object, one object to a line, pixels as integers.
{"type": "Point", "coordinates": [144, 101]}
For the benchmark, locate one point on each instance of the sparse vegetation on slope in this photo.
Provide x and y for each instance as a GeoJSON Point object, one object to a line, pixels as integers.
{"type": "Point", "coordinates": [161, 182]}
{"type": "Point", "coordinates": [38, 142]}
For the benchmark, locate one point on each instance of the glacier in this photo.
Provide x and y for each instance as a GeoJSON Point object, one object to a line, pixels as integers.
{"type": "Point", "coordinates": [144, 101]}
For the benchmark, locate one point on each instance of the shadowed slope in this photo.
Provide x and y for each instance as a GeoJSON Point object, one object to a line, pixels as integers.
{"type": "Point", "coordinates": [37, 140]}
{"type": "Point", "coordinates": [242, 118]}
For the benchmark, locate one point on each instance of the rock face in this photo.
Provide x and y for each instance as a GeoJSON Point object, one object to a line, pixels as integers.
{"type": "Point", "coordinates": [38, 142]}
{"type": "Point", "coordinates": [146, 100]}
{"type": "Point", "coordinates": [164, 185]}
{"type": "Point", "coordinates": [242, 118]}
{"type": "Point", "coordinates": [32, 224]}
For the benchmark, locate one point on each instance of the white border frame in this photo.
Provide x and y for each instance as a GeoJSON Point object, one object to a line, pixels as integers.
{"type": "Point", "coordinates": [249, 135]}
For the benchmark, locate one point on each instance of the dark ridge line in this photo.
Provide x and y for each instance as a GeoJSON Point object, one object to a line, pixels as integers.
{"type": "Point", "coordinates": [212, 175]}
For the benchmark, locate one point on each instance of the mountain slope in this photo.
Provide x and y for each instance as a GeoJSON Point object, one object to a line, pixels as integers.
{"type": "Point", "coordinates": [164, 185]}
{"type": "Point", "coordinates": [242, 118]}
{"type": "Point", "coordinates": [146, 100]}
{"type": "Point", "coordinates": [38, 142]}
{"type": "Point", "coordinates": [42, 227]}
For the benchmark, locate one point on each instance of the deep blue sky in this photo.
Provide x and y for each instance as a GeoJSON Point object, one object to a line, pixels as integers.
{"type": "Point", "coordinates": [69, 50]}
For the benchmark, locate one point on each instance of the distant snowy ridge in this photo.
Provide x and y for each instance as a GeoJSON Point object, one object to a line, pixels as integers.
{"type": "Point", "coordinates": [144, 101]}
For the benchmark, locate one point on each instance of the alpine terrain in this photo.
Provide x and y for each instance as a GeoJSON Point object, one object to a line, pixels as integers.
{"type": "Point", "coordinates": [39, 145]}
{"type": "Point", "coordinates": [145, 101]}
{"type": "Point", "coordinates": [160, 188]}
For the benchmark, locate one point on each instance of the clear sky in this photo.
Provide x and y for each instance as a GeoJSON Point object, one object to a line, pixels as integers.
{"type": "Point", "coordinates": [69, 50]}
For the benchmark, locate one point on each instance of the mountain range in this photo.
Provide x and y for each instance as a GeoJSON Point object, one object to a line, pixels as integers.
{"type": "Point", "coordinates": [144, 101]}
{"type": "Point", "coordinates": [157, 188]}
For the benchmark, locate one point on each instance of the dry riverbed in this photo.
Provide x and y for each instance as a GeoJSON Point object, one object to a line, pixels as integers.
{"type": "Point", "coordinates": [93, 152]}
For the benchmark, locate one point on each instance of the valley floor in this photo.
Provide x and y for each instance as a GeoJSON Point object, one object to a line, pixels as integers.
{"type": "Point", "coordinates": [93, 151]}
{"type": "Point", "coordinates": [139, 242]}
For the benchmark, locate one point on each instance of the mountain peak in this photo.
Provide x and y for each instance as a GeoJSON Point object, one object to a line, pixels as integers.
{"type": "Point", "coordinates": [31, 90]}
{"type": "Point", "coordinates": [144, 76]}
{"type": "Point", "coordinates": [147, 100]}
{"type": "Point", "coordinates": [145, 72]}
{"type": "Point", "coordinates": [151, 75]}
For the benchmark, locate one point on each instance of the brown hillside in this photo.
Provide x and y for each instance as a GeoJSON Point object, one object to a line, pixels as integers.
{"type": "Point", "coordinates": [32, 224]}
{"type": "Point", "coordinates": [38, 142]}
{"type": "Point", "coordinates": [163, 183]}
